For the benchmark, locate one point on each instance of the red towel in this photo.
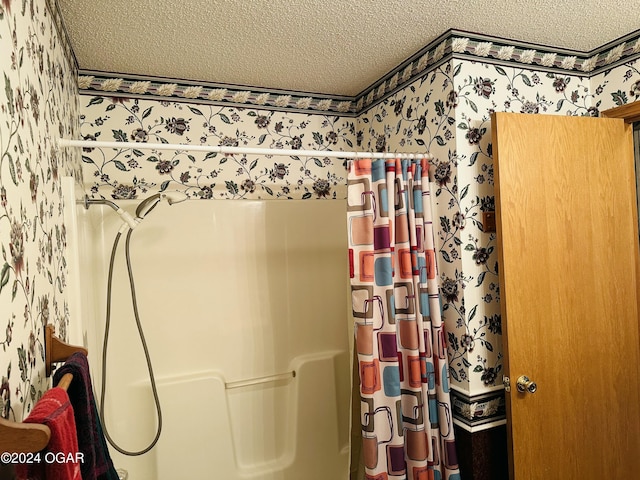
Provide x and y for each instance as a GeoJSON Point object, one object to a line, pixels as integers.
{"type": "Point", "coordinates": [60, 459]}
{"type": "Point", "coordinates": [97, 463]}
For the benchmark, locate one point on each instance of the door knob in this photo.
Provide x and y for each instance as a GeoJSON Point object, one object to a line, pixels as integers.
{"type": "Point", "coordinates": [525, 385]}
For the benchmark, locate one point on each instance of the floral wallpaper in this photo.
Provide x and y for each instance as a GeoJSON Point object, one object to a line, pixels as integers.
{"type": "Point", "coordinates": [482, 89]}
{"type": "Point", "coordinates": [447, 112]}
{"type": "Point", "coordinates": [38, 102]}
{"type": "Point", "coordinates": [617, 86]}
{"type": "Point", "coordinates": [439, 101]}
{"type": "Point", "coordinates": [129, 173]}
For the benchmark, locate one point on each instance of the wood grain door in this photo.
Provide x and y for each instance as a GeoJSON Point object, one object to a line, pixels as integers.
{"type": "Point", "coordinates": [568, 253]}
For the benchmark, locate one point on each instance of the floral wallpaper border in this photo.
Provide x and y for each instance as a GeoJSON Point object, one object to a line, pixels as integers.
{"type": "Point", "coordinates": [156, 88]}
{"type": "Point", "coordinates": [452, 44]}
{"type": "Point", "coordinates": [478, 412]}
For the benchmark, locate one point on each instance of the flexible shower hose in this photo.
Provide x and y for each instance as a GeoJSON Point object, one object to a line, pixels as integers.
{"type": "Point", "coordinates": [105, 345]}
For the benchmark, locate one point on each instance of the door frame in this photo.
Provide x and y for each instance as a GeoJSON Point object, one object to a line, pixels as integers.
{"type": "Point", "coordinates": [630, 113]}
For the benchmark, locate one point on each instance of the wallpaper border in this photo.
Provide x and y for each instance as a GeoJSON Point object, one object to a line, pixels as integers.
{"type": "Point", "coordinates": [454, 44]}
{"type": "Point", "coordinates": [54, 10]}
{"type": "Point", "coordinates": [478, 412]}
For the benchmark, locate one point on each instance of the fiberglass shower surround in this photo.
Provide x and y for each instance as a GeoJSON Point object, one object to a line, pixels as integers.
{"type": "Point", "coordinates": [247, 328]}
{"type": "Point", "coordinates": [244, 308]}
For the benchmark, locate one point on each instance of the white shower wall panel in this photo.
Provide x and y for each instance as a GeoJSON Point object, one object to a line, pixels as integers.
{"type": "Point", "coordinates": [228, 291]}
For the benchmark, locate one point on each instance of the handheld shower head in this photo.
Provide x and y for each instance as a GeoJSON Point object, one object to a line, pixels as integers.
{"type": "Point", "coordinates": [150, 203]}
{"type": "Point", "coordinates": [143, 208]}
{"type": "Point", "coordinates": [146, 205]}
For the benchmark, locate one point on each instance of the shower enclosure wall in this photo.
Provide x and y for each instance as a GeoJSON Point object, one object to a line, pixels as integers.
{"type": "Point", "coordinates": [244, 307]}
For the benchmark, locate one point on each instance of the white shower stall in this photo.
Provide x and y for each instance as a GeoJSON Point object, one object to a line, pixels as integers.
{"type": "Point", "coordinates": [245, 312]}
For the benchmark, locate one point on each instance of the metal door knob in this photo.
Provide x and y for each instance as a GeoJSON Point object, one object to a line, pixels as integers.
{"type": "Point", "coordinates": [525, 385]}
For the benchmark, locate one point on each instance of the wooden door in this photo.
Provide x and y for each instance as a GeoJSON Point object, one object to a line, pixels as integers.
{"type": "Point", "coordinates": [568, 253]}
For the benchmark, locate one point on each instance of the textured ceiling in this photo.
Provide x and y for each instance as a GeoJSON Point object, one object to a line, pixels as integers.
{"type": "Point", "coordinates": [336, 47]}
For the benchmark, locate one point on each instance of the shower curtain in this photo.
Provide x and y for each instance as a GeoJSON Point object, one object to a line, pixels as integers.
{"type": "Point", "coordinates": [407, 426]}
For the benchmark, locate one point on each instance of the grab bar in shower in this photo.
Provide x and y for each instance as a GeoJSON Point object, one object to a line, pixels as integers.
{"type": "Point", "coordinates": [259, 380]}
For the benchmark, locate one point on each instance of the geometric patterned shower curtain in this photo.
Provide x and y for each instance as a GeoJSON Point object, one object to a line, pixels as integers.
{"type": "Point", "coordinates": [407, 426]}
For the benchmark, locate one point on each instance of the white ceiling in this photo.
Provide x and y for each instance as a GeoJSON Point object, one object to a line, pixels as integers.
{"type": "Point", "coordinates": [337, 47]}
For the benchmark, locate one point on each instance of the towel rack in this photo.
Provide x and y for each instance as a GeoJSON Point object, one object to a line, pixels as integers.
{"type": "Point", "coordinates": [18, 437]}
{"type": "Point", "coordinates": [56, 350]}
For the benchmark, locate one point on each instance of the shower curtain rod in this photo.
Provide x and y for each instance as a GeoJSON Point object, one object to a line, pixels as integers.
{"type": "Point", "coordinates": [238, 150]}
